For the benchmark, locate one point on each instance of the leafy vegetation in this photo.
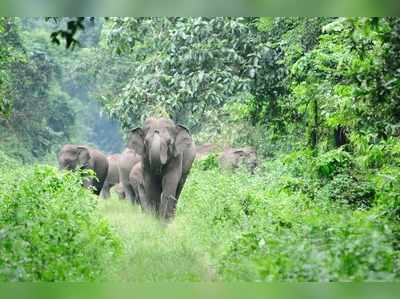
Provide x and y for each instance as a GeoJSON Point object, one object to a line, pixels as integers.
{"type": "Point", "coordinates": [317, 97]}
{"type": "Point", "coordinates": [50, 228]}
{"type": "Point", "coordinates": [43, 101]}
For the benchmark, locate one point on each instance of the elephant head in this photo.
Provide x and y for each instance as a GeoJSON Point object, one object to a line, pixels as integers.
{"type": "Point", "coordinates": [248, 157]}
{"type": "Point", "coordinates": [73, 156]}
{"type": "Point", "coordinates": [234, 157]}
{"type": "Point", "coordinates": [159, 141]}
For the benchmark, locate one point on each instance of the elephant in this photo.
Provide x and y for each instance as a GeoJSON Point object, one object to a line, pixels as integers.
{"type": "Point", "coordinates": [112, 175]}
{"type": "Point", "coordinates": [127, 160]}
{"type": "Point", "coordinates": [204, 150]}
{"type": "Point", "coordinates": [232, 158]}
{"type": "Point", "coordinates": [118, 188]}
{"type": "Point", "coordinates": [168, 152]}
{"type": "Point", "coordinates": [137, 184]}
{"type": "Point", "coordinates": [74, 156]}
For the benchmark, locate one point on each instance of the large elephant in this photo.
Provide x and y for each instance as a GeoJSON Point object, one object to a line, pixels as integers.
{"type": "Point", "coordinates": [74, 156]}
{"type": "Point", "coordinates": [232, 158]}
{"type": "Point", "coordinates": [126, 161]}
{"type": "Point", "coordinates": [168, 152]}
{"type": "Point", "coordinates": [112, 175]}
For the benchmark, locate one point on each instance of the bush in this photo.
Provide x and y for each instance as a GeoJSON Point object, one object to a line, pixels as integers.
{"type": "Point", "coordinates": [207, 163]}
{"type": "Point", "coordinates": [347, 189]}
{"type": "Point", "coordinates": [50, 229]}
{"type": "Point", "coordinates": [332, 162]}
{"type": "Point", "coordinates": [255, 230]}
{"type": "Point", "coordinates": [6, 161]}
{"type": "Point", "coordinates": [318, 247]}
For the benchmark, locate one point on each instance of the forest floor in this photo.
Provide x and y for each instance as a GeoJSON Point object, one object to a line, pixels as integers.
{"type": "Point", "coordinates": [152, 251]}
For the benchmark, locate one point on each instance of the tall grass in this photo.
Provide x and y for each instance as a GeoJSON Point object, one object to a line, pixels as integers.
{"type": "Point", "coordinates": [153, 252]}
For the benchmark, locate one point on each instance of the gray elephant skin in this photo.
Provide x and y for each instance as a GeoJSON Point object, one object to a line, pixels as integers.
{"type": "Point", "coordinates": [74, 156]}
{"type": "Point", "coordinates": [127, 160]}
{"type": "Point", "coordinates": [119, 190]}
{"type": "Point", "coordinates": [137, 184]}
{"type": "Point", "coordinates": [112, 175]}
{"type": "Point", "coordinates": [233, 158]}
{"type": "Point", "coordinates": [168, 152]}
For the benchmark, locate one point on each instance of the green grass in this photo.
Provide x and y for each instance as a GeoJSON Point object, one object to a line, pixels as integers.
{"type": "Point", "coordinates": [153, 252]}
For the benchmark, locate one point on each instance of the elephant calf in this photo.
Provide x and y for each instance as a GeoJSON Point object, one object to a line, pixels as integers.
{"type": "Point", "coordinates": [232, 158]}
{"type": "Point", "coordinates": [119, 190]}
{"type": "Point", "coordinates": [112, 175]}
{"type": "Point", "coordinates": [74, 156]}
{"type": "Point", "coordinates": [137, 185]}
{"type": "Point", "coordinates": [167, 152]}
{"type": "Point", "coordinates": [127, 160]}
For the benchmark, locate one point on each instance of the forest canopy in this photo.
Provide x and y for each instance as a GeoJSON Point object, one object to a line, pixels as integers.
{"type": "Point", "coordinates": [327, 79]}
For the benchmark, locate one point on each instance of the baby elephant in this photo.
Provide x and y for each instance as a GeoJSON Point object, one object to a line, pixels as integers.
{"type": "Point", "coordinates": [112, 175]}
{"type": "Point", "coordinates": [127, 160]}
{"type": "Point", "coordinates": [74, 156]}
{"type": "Point", "coordinates": [232, 158]}
{"type": "Point", "coordinates": [119, 189]}
{"type": "Point", "coordinates": [137, 185]}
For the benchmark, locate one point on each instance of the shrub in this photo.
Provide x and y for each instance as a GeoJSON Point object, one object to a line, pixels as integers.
{"type": "Point", "coordinates": [207, 163]}
{"type": "Point", "coordinates": [332, 162]}
{"type": "Point", "coordinates": [255, 230]}
{"type": "Point", "coordinates": [347, 189]}
{"type": "Point", "coordinates": [6, 161]}
{"type": "Point", "coordinates": [50, 229]}
{"type": "Point", "coordinates": [318, 247]}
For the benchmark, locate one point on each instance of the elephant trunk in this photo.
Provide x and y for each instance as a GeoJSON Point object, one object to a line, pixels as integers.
{"type": "Point", "coordinates": [158, 155]}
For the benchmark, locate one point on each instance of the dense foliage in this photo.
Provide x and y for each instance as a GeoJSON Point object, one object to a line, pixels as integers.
{"type": "Point", "coordinates": [319, 98]}
{"type": "Point", "coordinates": [265, 228]}
{"type": "Point", "coordinates": [43, 103]}
{"type": "Point", "coordinates": [319, 78]}
{"type": "Point", "coordinates": [50, 229]}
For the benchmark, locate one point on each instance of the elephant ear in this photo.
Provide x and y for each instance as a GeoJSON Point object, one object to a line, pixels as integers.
{"type": "Point", "coordinates": [183, 139]}
{"type": "Point", "coordinates": [136, 140]}
{"type": "Point", "coordinates": [83, 155]}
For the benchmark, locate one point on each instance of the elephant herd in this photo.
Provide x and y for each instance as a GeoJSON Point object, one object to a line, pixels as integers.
{"type": "Point", "coordinates": [152, 170]}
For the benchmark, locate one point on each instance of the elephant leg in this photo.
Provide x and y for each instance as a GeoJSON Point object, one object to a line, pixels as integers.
{"type": "Point", "coordinates": [129, 193]}
{"type": "Point", "coordinates": [141, 198]}
{"type": "Point", "coordinates": [168, 207]}
{"type": "Point", "coordinates": [150, 193]}
{"type": "Point", "coordinates": [121, 195]}
{"type": "Point", "coordinates": [180, 186]}
{"type": "Point", "coordinates": [136, 192]}
{"type": "Point", "coordinates": [105, 191]}
{"type": "Point", "coordinates": [168, 196]}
